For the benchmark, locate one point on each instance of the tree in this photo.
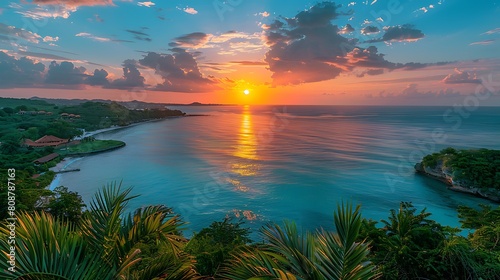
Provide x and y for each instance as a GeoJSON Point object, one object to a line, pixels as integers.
{"type": "Point", "coordinates": [322, 255]}
{"type": "Point", "coordinates": [213, 245]}
{"type": "Point", "coordinates": [104, 246]}
{"type": "Point", "coordinates": [8, 110]}
{"type": "Point", "coordinates": [66, 205]}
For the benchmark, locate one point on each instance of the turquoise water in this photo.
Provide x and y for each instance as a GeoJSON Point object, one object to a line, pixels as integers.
{"type": "Point", "coordinates": [275, 163]}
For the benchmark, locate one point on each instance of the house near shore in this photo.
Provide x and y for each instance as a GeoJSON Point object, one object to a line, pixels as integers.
{"type": "Point", "coordinates": [46, 141]}
{"type": "Point", "coordinates": [46, 158]}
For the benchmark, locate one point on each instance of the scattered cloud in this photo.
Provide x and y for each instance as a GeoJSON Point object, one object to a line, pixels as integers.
{"type": "Point", "coordinates": [484, 42]}
{"type": "Point", "coordinates": [191, 40]}
{"type": "Point", "coordinates": [50, 39]}
{"type": "Point", "coordinates": [309, 48]}
{"type": "Point", "coordinates": [179, 71]}
{"type": "Point", "coordinates": [139, 35]}
{"type": "Point", "coordinates": [43, 12]}
{"type": "Point", "coordinates": [400, 33]}
{"type": "Point", "coordinates": [74, 3]}
{"type": "Point", "coordinates": [346, 29]}
{"type": "Point", "coordinates": [461, 77]}
{"type": "Point", "coordinates": [15, 33]}
{"type": "Point", "coordinates": [43, 55]}
{"type": "Point", "coordinates": [189, 10]}
{"type": "Point", "coordinates": [370, 29]}
{"type": "Point", "coordinates": [264, 14]}
{"type": "Point", "coordinates": [148, 4]}
{"type": "Point", "coordinates": [492, 31]}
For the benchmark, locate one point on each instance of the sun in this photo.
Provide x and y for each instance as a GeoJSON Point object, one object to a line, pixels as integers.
{"type": "Point", "coordinates": [246, 92]}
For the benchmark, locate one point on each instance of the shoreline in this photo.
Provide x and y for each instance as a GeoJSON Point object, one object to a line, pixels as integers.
{"type": "Point", "coordinates": [68, 161]}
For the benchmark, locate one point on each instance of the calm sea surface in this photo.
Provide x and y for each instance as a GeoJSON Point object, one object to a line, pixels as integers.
{"type": "Point", "coordinates": [275, 163]}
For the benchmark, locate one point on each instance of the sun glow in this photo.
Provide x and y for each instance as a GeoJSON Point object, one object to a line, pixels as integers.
{"type": "Point", "coordinates": [246, 92]}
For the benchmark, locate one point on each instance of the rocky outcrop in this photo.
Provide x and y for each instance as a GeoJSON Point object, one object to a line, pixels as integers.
{"type": "Point", "coordinates": [444, 175]}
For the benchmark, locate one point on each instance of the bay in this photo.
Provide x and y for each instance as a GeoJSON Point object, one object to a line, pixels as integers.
{"type": "Point", "coordinates": [273, 163]}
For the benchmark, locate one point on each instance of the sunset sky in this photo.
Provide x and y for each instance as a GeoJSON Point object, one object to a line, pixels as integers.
{"type": "Point", "coordinates": [425, 52]}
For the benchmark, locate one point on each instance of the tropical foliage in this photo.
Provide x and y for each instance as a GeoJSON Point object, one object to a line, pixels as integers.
{"type": "Point", "coordinates": [476, 168]}
{"type": "Point", "coordinates": [105, 245]}
{"type": "Point", "coordinates": [286, 254]}
{"type": "Point", "coordinates": [104, 242]}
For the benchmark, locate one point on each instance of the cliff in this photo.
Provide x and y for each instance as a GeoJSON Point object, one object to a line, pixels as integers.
{"type": "Point", "coordinates": [468, 171]}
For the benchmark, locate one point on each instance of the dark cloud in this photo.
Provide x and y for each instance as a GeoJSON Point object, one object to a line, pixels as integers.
{"type": "Point", "coordinates": [192, 40]}
{"type": "Point", "coordinates": [131, 79]}
{"type": "Point", "coordinates": [139, 35]}
{"type": "Point", "coordinates": [461, 77]}
{"type": "Point", "coordinates": [22, 72]}
{"type": "Point", "coordinates": [65, 74]}
{"type": "Point", "coordinates": [99, 78]}
{"type": "Point", "coordinates": [370, 30]}
{"type": "Point", "coordinates": [179, 71]}
{"type": "Point", "coordinates": [400, 33]}
{"type": "Point", "coordinates": [310, 48]}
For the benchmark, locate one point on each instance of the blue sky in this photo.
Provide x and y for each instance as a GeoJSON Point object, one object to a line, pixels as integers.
{"type": "Point", "coordinates": [408, 52]}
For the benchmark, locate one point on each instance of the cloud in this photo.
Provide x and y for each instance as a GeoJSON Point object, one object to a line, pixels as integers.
{"type": "Point", "coordinates": [43, 55]}
{"type": "Point", "coordinates": [148, 4]}
{"type": "Point", "coordinates": [484, 42]}
{"type": "Point", "coordinates": [132, 77]}
{"type": "Point", "coordinates": [99, 78]}
{"type": "Point", "coordinates": [74, 3]}
{"type": "Point", "coordinates": [50, 39]}
{"type": "Point", "coordinates": [101, 39]}
{"type": "Point", "coordinates": [179, 71]}
{"type": "Point", "coordinates": [309, 48]}
{"type": "Point", "coordinates": [65, 74]}
{"type": "Point", "coordinates": [139, 35]}
{"type": "Point", "coordinates": [192, 40]}
{"type": "Point", "coordinates": [264, 14]}
{"type": "Point", "coordinates": [492, 31]}
{"type": "Point", "coordinates": [42, 12]}
{"type": "Point", "coordinates": [22, 72]}
{"type": "Point", "coordinates": [370, 29]}
{"type": "Point", "coordinates": [248, 63]}
{"type": "Point", "coordinates": [191, 11]}
{"type": "Point", "coordinates": [15, 33]}
{"type": "Point", "coordinates": [400, 33]}
{"type": "Point", "coordinates": [346, 29]}
{"type": "Point", "coordinates": [461, 77]}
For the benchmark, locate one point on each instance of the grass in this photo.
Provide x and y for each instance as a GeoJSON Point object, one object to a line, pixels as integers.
{"type": "Point", "coordinates": [92, 147]}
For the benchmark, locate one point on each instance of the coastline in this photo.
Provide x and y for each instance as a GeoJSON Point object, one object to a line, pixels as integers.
{"type": "Point", "coordinates": [66, 162]}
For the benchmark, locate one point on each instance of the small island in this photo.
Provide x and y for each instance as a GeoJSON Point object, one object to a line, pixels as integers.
{"type": "Point", "coordinates": [475, 171]}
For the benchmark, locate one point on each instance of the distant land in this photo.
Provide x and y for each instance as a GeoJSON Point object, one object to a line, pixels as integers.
{"type": "Point", "coordinates": [131, 105]}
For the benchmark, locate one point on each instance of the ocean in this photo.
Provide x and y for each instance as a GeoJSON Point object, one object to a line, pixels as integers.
{"type": "Point", "coordinates": [273, 163]}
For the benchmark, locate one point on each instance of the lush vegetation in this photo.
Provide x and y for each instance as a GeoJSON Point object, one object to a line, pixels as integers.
{"type": "Point", "coordinates": [472, 168]}
{"type": "Point", "coordinates": [88, 147]}
{"type": "Point", "coordinates": [64, 242]}
{"type": "Point", "coordinates": [22, 119]}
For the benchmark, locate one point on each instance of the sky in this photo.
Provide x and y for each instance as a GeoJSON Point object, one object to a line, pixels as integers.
{"type": "Point", "coordinates": [374, 52]}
